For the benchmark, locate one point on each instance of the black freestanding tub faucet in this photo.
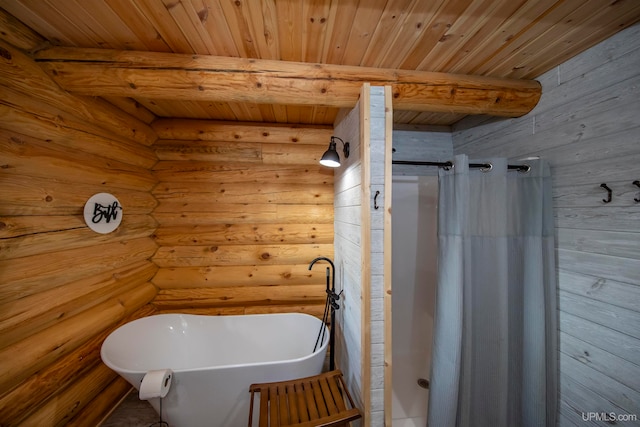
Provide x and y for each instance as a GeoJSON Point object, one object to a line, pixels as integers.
{"type": "Point", "coordinates": [330, 305]}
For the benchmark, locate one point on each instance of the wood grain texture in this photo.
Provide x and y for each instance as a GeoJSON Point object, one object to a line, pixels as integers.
{"type": "Point", "coordinates": [584, 128]}
{"type": "Point", "coordinates": [210, 130]}
{"type": "Point", "coordinates": [348, 238]}
{"type": "Point", "coordinates": [242, 210]}
{"type": "Point", "coordinates": [31, 393]}
{"type": "Point", "coordinates": [222, 79]}
{"type": "Point", "coordinates": [65, 287]}
{"type": "Point", "coordinates": [499, 38]}
{"type": "Point", "coordinates": [28, 78]}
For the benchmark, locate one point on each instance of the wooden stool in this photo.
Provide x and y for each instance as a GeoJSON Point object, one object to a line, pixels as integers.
{"type": "Point", "coordinates": [305, 402]}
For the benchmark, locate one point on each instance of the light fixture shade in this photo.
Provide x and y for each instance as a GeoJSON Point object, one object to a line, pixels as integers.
{"type": "Point", "coordinates": [330, 157]}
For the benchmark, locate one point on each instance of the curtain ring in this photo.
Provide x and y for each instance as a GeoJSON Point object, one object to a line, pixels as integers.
{"type": "Point", "coordinates": [524, 168]}
{"type": "Point", "coordinates": [487, 168]}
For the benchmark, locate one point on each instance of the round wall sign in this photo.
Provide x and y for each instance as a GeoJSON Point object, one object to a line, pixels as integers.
{"type": "Point", "coordinates": [103, 213]}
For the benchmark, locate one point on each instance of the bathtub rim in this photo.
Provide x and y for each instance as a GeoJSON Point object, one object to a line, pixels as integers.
{"type": "Point", "coordinates": [120, 370]}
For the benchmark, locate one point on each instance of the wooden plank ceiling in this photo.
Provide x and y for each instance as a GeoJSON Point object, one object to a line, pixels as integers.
{"type": "Point", "coordinates": [499, 38]}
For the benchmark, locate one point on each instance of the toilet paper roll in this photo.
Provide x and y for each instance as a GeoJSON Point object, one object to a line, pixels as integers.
{"type": "Point", "coordinates": [155, 384]}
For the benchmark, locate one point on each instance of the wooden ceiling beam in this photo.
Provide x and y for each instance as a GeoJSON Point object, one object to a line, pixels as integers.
{"type": "Point", "coordinates": [100, 72]}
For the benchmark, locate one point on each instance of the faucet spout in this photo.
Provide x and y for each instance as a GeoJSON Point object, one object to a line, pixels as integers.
{"type": "Point", "coordinates": [332, 289]}
{"type": "Point", "coordinates": [322, 258]}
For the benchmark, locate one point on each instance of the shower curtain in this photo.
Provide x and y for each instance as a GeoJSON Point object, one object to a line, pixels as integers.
{"type": "Point", "coordinates": [494, 361]}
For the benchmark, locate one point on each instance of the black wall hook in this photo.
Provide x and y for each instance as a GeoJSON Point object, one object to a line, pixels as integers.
{"type": "Point", "coordinates": [606, 187]}
{"type": "Point", "coordinates": [637, 184]}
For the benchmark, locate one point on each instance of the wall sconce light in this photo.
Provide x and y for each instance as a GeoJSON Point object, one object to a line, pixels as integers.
{"type": "Point", "coordinates": [330, 157]}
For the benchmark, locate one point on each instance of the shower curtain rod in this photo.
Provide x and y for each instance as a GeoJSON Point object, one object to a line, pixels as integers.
{"type": "Point", "coordinates": [519, 168]}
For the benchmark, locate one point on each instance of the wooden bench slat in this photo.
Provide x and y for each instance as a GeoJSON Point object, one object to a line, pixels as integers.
{"type": "Point", "coordinates": [311, 401]}
{"type": "Point", "coordinates": [305, 402]}
{"type": "Point", "coordinates": [302, 403]}
{"type": "Point", "coordinates": [274, 419]}
{"type": "Point", "coordinates": [264, 409]}
{"type": "Point", "coordinates": [283, 405]}
{"type": "Point", "coordinates": [338, 397]}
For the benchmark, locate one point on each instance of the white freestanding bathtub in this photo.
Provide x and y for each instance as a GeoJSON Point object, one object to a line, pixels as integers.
{"type": "Point", "coordinates": [214, 360]}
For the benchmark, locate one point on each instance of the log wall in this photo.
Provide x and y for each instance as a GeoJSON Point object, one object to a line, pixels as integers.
{"type": "Point", "coordinates": [242, 210]}
{"type": "Point", "coordinates": [63, 287]}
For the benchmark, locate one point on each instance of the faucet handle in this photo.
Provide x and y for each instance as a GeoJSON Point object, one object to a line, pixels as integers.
{"type": "Point", "coordinates": [333, 295]}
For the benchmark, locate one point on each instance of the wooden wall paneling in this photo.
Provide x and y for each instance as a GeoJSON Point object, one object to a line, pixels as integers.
{"type": "Point", "coordinates": [612, 316]}
{"type": "Point", "coordinates": [365, 253]}
{"type": "Point", "coordinates": [219, 234]}
{"type": "Point", "coordinates": [210, 193]}
{"type": "Point", "coordinates": [45, 347]}
{"type": "Point", "coordinates": [250, 214]}
{"type": "Point", "coordinates": [31, 314]}
{"type": "Point", "coordinates": [348, 237]}
{"type": "Point", "coordinates": [176, 306]}
{"type": "Point", "coordinates": [28, 78]}
{"type": "Point", "coordinates": [314, 310]}
{"type": "Point", "coordinates": [617, 397]}
{"type": "Point", "coordinates": [602, 361]}
{"type": "Point", "coordinates": [210, 130]}
{"type": "Point", "coordinates": [31, 157]}
{"type": "Point", "coordinates": [242, 210]}
{"type": "Point", "coordinates": [576, 396]}
{"type": "Point", "coordinates": [292, 155]}
{"type": "Point", "coordinates": [97, 410]}
{"type": "Point", "coordinates": [270, 153]}
{"type": "Point", "coordinates": [626, 295]}
{"type": "Point", "coordinates": [387, 260]}
{"type": "Point", "coordinates": [65, 404]}
{"type": "Point", "coordinates": [28, 395]}
{"type": "Point", "coordinates": [221, 172]}
{"type": "Point", "coordinates": [573, 102]}
{"type": "Point", "coordinates": [208, 151]}
{"type": "Point", "coordinates": [240, 296]}
{"type": "Point", "coordinates": [236, 276]}
{"type": "Point", "coordinates": [585, 127]}
{"type": "Point", "coordinates": [379, 128]}
{"type": "Point", "coordinates": [34, 196]}
{"type": "Point", "coordinates": [20, 240]}
{"type": "Point", "coordinates": [235, 255]}
{"type": "Point", "coordinates": [21, 279]}
{"type": "Point", "coordinates": [64, 287]}
{"type": "Point", "coordinates": [48, 123]}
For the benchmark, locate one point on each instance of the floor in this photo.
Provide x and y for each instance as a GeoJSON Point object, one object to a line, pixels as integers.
{"type": "Point", "coordinates": [132, 412]}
